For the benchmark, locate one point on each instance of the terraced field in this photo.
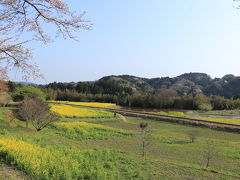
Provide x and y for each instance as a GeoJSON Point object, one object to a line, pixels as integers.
{"type": "Point", "coordinates": [75, 149]}
{"type": "Point", "coordinates": [84, 130]}
{"type": "Point", "coordinates": [79, 112]}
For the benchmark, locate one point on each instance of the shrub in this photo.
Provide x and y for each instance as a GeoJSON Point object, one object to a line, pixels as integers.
{"type": "Point", "coordinates": [5, 99]}
{"type": "Point", "coordinates": [205, 107]}
{"type": "Point", "coordinates": [30, 91]}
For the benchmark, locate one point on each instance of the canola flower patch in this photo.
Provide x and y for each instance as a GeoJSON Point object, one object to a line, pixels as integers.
{"type": "Point", "coordinates": [84, 130]}
{"type": "Point", "coordinates": [71, 112]}
{"type": "Point", "coordinates": [94, 104]}
{"type": "Point", "coordinates": [91, 104]}
{"type": "Point", "coordinates": [221, 120]}
{"type": "Point", "coordinates": [67, 163]}
{"type": "Point", "coordinates": [171, 113]}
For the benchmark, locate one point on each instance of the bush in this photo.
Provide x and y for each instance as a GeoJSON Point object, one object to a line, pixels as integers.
{"type": "Point", "coordinates": [5, 99]}
{"type": "Point", "coordinates": [205, 107]}
{"type": "Point", "coordinates": [30, 91]}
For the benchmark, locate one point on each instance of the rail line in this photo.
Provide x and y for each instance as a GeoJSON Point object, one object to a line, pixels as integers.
{"type": "Point", "coordinates": [183, 120]}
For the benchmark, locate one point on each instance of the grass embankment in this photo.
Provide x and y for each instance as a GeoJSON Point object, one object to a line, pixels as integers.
{"type": "Point", "coordinates": [48, 154]}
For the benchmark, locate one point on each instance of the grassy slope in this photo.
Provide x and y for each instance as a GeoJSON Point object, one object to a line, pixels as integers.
{"type": "Point", "coordinates": [169, 155]}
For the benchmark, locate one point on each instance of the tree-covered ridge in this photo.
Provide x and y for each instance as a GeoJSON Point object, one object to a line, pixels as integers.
{"type": "Point", "coordinates": [188, 83]}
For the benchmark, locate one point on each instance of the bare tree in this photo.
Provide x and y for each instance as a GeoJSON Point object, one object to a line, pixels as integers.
{"type": "Point", "coordinates": [209, 152]}
{"type": "Point", "coordinates": [25, 110]}
{"type": "Point", "coordinates": [192, 135]}
{"type": "Point", "coordinates": [143, 126]}
{"type": "Point", "coordinates": [10, 116]}
{"type": "Point", "coordinates": [44, 120]}
{"type": "Point", "coordinates": [3, 80]}
{"type": "Point", "coordinates": [21, 16]}
{"type": "Point", "coordinates": [36, 111]}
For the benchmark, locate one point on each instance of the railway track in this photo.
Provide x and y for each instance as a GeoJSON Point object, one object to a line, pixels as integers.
{"type": "Point", "coordinates": [183, 120]}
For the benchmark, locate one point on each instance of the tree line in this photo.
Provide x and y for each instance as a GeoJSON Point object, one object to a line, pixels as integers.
{"type": "Point", "coordinates": [161, 99]}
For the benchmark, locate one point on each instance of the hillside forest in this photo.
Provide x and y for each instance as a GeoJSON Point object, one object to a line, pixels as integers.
{"type": "Point", "coordinates": [195, 91]}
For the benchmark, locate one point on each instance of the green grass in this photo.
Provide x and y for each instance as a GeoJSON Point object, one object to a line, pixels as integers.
{"type": "Point", "coordinates": [169, 153]}
{"type": "Point", "coordinates": [83, 130]}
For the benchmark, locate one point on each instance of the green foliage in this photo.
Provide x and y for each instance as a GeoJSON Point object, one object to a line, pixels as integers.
{"type": "Point", "coordinates": [201, 102]}
{"type": "Point", "coordinates": [205, 107]}
{"type": "Point", "coordinates": [31, 91]}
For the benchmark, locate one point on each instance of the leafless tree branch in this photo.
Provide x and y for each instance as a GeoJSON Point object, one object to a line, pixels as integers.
{"type": "Point", "coordinates": [31, 16]}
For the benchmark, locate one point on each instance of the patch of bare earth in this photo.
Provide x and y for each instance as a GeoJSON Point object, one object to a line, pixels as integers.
{"type": "Point", "coordinates": [11, 173]}
{"type": "Point", "coordinates": [123, 118]}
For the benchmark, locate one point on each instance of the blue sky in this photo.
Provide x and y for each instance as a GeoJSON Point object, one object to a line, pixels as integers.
{"type": "Point", "coordinates": [151, 38]}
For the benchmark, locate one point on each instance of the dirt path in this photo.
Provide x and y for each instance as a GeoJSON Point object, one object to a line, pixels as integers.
{"type": "Point", "coordinates": [123, 118]}
{"type": "Point", "coordinates": [11, 173]}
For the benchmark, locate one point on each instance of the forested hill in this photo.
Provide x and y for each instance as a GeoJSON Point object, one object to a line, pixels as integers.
{"type": "Point", "coordinates": [188, 83]}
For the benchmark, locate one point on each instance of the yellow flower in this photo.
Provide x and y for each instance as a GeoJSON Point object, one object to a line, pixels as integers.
{"type": "Point", "coordinates": [92, 104]}
{"type": "Point", "coordinates": [70, 111]}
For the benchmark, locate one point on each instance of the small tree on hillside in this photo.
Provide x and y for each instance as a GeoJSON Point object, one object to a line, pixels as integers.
{"type": "Point", "coordinates": [143, 126]}
{"type": "Point", "coordinates": [36, 111]}
{"type": "Point", "coordinates": [209, 152]}
{"type": "Point", "coordinates": [193, 134]}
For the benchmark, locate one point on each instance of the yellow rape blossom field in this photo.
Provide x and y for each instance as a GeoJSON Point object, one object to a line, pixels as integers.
{"type": "Point", "coordinates": [84, 130]}
{"type": "Point", "coordinates": [64, 163]}
{"type": "Point", "coordinates": [71, 112]}
{"type": "Point", "coordinates": [91, 104]}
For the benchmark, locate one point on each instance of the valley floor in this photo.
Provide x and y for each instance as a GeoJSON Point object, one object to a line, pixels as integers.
{"type": "Point", "coordinates": [170, 154]}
